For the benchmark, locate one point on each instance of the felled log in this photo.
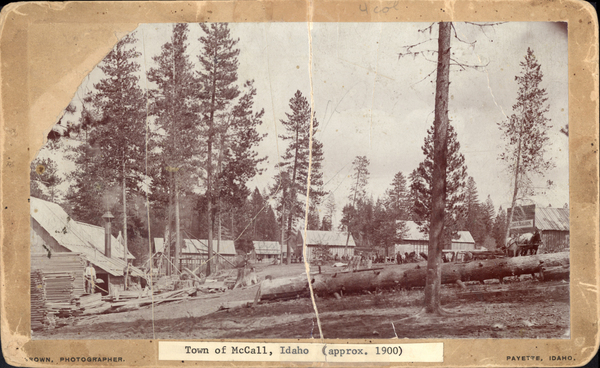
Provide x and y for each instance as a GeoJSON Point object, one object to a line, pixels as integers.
{"type": "Point", "coordinates": [451, 273]}
{"type": "Point", "coordinates": [407, 276]}
{"type": "Point", "coordinates": [284, 288]}
{"type": "Point", "coordinates": [555, 273]}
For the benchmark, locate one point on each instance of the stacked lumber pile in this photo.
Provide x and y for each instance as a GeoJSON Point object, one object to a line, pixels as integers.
{"type": "Point", "coordinates": [56, 284]}
{"type": "Point", "coordinates": [38, 301]}
{"type": "Point", "coordinates": [59, 265]}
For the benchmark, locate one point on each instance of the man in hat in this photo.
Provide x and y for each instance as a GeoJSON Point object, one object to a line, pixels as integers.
{"type": "Point", "coordinates": [90, 278]}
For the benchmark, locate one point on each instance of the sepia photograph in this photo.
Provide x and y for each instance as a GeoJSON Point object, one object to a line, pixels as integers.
{"type": "Point", "coordinates": [309, 180]}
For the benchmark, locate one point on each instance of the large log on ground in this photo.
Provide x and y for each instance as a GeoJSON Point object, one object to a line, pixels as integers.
{"type": "Point", "coordinates": [284, 288]}
{"type": "Point", "coordinates": [412, 275]}
{"type": "Point", "coordinates": [451, 272]}
{"type": "Point", "coordinates": [555, 273]}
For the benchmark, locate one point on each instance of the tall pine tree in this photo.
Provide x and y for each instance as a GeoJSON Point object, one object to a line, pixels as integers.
{"type": "Point", "coordinates": [110, 160]}
{"type": "Point", "coordinates": [175, 105]}
{"type": "Point", "coordinates": [473, 219]}
{"type": "Point", "coordinates": [397, 198]}
{"type": "Point", "coordinates": [499, 229]}
{"type": "Point", "coordinates": [360, 179]}
{"type": "Point", "coordinates": [456, 176]}
{"type": "Point", "coordinates": [294, 167]}
{"type": "Point", "coordinates": [526, 131]}
{"type": "Point", "coordinates": [217, 83]}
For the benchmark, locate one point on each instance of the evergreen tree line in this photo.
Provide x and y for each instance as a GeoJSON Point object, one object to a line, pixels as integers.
{"type": "Point", "coordinates": [175, 148]}
{"type": "Point", "coordinates": [382, 222]}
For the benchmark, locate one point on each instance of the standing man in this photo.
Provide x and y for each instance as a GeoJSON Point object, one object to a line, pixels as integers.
{"type": "Point", "coordinates": [90, 278]}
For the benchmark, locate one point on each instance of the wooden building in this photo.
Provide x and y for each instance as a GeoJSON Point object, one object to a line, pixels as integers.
{"type": "Point", "coordinates": [553, 224]}
{"type": "Point", "coordinates": [334, 241]}
{"type": "Point", "coordinates": [194, 252]}
{"type": "Point", "coordinates": [54, 231]}
{"type": "Point", "coordinates": [416, 241]}
{"type": "Point", "coordinates": [265, 251]}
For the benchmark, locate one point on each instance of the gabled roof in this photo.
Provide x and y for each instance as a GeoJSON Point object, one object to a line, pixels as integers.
{"type": "Point", "coordinates": [267, 247]}
{"type": "Point", "coordinates": [195, 246]}
{"type": "Point", "coordinates": [551, 218]}
{"type": "Point", "coordinates": [78, 237]}
{"type": "Point", "coordinates": [95, 235]}
{"type": "Point", "coordinates": [330, 238]}
{"type": "Point", "coordinates": [413, 233]}
{"type": "Point", "coordinates": [464, 237]}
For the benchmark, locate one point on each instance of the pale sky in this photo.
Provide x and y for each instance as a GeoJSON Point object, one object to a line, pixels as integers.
{"type": "Point", "coordinates": [371, 102]}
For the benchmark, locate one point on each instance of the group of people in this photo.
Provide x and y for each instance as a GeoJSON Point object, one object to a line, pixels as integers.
{"type": "Point", "coordinates": [377, 258]}
{"type": "Point", "coordinates": [343, 258]}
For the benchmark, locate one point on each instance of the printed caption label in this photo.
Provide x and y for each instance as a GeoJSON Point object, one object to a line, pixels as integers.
{"type": "Point", "coordinates": [302, 352]}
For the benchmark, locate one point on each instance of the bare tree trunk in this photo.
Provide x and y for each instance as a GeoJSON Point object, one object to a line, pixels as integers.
{"type": "Point", "coordinates": [125, 221]}
{"type": "Point", "coordinates": [289, 231]}
{"type": "Point", "coordinates": [209, 173]}
{"type": "Point", "coordinates": [438, 194]}
{"type": "Point", "coordinates": [170, 225]}
{"type": "Point", "coordinates": [124, 215]}
{"type": "Point", "coordinates": [515, 193]}
{"type": "Point", "coordinates": [282, 230]}
{"type": "Point", "coordinates": [177, 226]}
{"type": "Point", "coordinates": [219, 168]}
{"type": "Point", "coordinates": [218, 237]}
{"type": "Point", "coordinates": [210, 231]}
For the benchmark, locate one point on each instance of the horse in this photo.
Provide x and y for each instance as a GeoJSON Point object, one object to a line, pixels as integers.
{"type": "Point", "coordinates": [524, 244]}
{"type": "Point", "coordinates": [531, 247]}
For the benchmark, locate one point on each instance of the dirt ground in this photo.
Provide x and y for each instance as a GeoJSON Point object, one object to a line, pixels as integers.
{"type": "Point", "coordinates": [519, 309]}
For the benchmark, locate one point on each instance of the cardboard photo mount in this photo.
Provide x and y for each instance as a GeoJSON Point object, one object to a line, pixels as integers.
{"type": "Point", "coordinates": [44, 58]}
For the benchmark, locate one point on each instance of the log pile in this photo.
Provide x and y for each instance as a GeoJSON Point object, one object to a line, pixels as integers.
{"type": "Point", "coordinates": [551, 266]}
